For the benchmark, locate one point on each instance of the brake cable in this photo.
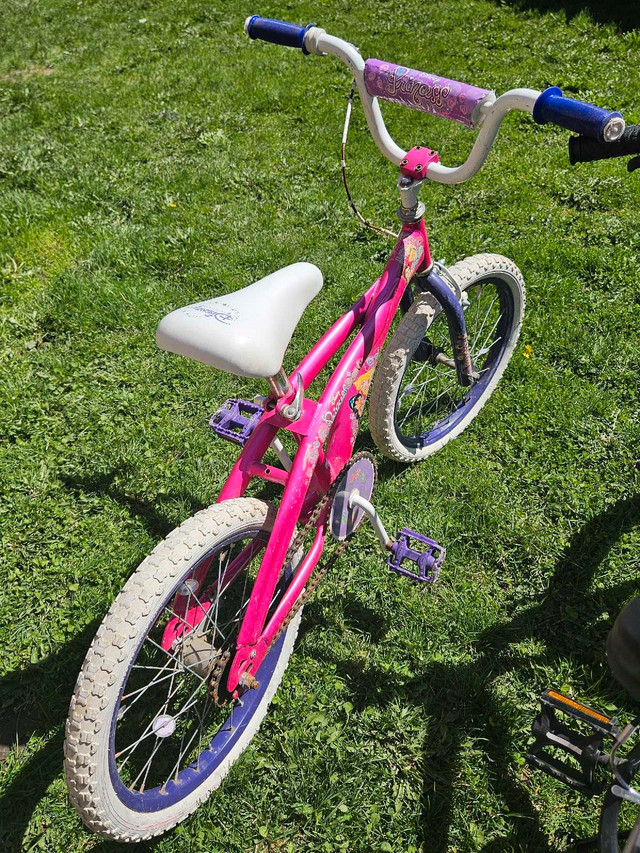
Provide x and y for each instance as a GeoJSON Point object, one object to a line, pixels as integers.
{"type": "Point", "coordinates": [356, 212]}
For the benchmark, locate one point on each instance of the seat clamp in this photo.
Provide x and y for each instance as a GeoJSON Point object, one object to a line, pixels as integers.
{"type": "Point", "coordinates": [293, 410]}
{"type": "Point", "coordinates": [279, 384]}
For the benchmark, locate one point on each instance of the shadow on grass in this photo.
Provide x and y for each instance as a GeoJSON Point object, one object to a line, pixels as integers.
{"type": "Point", "coordinates": [35, 702]}
{"type": "Point", "coordinates": [146, 511]}
{"type": "Point", "coordinates": [625, 14]}
{"type": "Point", "coordinates": [157, 523]}
{"type": "Point", "coordinates": [459, 702]}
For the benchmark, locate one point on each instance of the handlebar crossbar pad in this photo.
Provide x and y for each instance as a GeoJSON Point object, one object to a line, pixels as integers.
{"type": "Point", "coordinates": [277, 32]}
{"type": "Point", "coordinates": [427, 92]}
{"type": "Point", "coordinates": [578, 116]}
{"type": "Point", "coordinates": [582, 149]}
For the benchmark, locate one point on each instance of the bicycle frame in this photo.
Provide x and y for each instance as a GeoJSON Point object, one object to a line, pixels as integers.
{"type": "Point", "coordinates": [332, 421]}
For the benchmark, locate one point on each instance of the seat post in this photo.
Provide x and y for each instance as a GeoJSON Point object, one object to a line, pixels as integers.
{"type": "Point", "coordinates": [279, 384]}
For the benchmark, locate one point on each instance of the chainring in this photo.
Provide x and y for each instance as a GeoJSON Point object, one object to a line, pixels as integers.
{"type": "Point", "coordinates": [297, 543]}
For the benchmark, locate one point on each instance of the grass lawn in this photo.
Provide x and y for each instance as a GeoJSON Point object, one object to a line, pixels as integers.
{"type": "Point", "coordinates": [150, 156]}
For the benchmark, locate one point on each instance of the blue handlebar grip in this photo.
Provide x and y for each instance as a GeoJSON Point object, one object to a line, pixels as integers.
{"type": "Point", "coordinates": [578, 116]}
{"type": "Point", "coordinates": [277, 32]}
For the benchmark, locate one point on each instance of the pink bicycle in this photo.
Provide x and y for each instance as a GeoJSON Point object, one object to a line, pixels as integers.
{"type": "Point", "coordinates": [185, 663]}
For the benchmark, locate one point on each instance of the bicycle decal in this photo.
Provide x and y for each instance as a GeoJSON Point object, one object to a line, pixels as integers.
{"type": "Point", "coordinates": [225, 314]}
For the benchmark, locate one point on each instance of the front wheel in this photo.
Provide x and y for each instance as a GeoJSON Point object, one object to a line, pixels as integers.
{"type": "Point", "coordinates": [417, 405]}
{"type": "Point", "coordinates": [151, 731]}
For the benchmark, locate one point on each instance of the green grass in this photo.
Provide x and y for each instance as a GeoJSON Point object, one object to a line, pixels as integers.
{"type": "Point", "coordinates": [150, 155]}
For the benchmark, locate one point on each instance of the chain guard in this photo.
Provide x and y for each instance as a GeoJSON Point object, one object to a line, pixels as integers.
{"type": "Point", "coordinates": [360, 477]}
{"type": "Point", "coordinates": [298, 542]}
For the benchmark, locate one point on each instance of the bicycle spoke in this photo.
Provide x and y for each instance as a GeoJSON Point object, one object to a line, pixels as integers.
{"type": "Point", "coordinates": [495, 299]}
{"type": "Point", "coordinates": [186, 707]}
{"type": "Point", "coordinates": [490, 333]}
{"type": "Point", "coordinates": [233, 619]}
{"type": "Point", "coordinates": [147, 731]}
{"type": "Point", "coordinates": [487, 349]}
{"type": "Point", "coordinates": [201, 719]}
{"type": "Point", "coordinates": [419, 373]}
{"type": "Point", "coordinates": [183, 752]}
{"type": "Point", "coordinates": [420, 392]}
{"type": "Point", "coordinates": [217, 610]}
{"type": "Point", "coordinates": [142, 690]}
{"type": "Point", "coordinates": [150, 750]}
{"type": "Point", "coordinates": [173, 657]}
{"type": "Point", "coordinates": [430, 392]}
{"type": "Point", "coordinates": [146, 766]}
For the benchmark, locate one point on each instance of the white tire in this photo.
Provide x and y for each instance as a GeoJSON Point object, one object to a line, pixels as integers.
{"type": "Point", "coordinates": [96, 707]}
{"type": "Point", "coordinates": [473, 275]}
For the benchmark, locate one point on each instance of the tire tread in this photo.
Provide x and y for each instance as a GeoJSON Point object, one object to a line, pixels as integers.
{"type": "Point", "coordinates": [110, 647]}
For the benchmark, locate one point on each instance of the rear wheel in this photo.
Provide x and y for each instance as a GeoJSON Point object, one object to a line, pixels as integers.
{"type": "Point", "coordinates": [417, 405]}
{"type": "Point", "coordinates": [151, 731]}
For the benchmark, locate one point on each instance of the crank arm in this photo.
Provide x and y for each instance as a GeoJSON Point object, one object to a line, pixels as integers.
{"type": "Point", "coordinates": [428, 557]}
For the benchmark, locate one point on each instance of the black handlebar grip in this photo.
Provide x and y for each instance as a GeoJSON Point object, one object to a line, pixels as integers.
{"type": "Point", "coordinates": [583, 149]}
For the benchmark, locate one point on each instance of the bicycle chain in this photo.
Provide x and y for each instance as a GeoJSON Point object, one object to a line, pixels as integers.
{"type": "Point", "coordinates": [215, 679]}
{"type": "Point", "coordinates": [318, 574]}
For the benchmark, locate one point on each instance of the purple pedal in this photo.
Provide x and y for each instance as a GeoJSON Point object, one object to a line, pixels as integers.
{"type": "Point", "coordinates": [428, 559]}
{"type": "Point", "coordinates": [235, 420]}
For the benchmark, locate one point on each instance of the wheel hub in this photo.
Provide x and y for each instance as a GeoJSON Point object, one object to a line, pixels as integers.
{"type": "Point", "coordinates": [198, 655]}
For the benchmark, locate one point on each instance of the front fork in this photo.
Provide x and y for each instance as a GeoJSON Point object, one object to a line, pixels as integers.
{"type": "Point", "coordinates": [434, 283]}
{"type": "Point", "coordinates": [413, 170]}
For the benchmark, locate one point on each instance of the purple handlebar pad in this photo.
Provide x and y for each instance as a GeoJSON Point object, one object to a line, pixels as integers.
{"type": "Point", "coordinates": [422, 91]}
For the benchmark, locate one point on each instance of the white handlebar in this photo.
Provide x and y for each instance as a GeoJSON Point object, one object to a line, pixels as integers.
{"type": "Point", "coordinates": [317, 41]}
{"type": "Point", "coordinates": [491, 112]}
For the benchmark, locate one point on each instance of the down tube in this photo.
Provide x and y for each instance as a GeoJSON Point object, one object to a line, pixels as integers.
{"type": "Point", "coordinates": [404, 262]}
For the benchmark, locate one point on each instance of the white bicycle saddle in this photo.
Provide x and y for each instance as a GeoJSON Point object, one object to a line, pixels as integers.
{"type": "Point", "coordinates": [246, 332]}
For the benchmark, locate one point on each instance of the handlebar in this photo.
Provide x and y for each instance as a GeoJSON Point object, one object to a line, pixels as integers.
{"type": "Point", "coordinates": [584, 150]}
{"type": "Point", "coordinates": [470, 105]}
{"type": "Point", "coordinates": [587, 119]}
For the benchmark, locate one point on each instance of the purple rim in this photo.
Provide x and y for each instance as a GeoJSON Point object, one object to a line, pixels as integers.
{"type": "Point", "coordinates": [443, 427]}
{"type": "Point", "coordinates": [216, 750]}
